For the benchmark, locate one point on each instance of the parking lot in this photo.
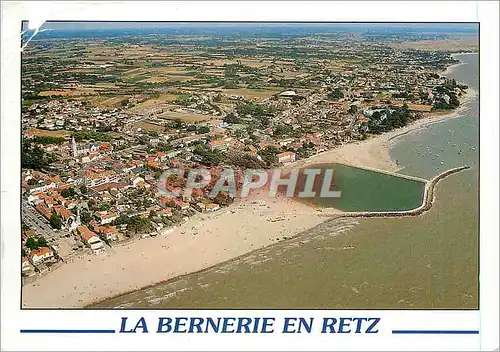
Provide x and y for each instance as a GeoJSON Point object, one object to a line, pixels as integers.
{"type": "Point", "coordinates": [38, 223]}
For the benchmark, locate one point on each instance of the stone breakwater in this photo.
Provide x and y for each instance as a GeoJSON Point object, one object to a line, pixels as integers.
{"type": "Point", "coordinates": [428, 199]}
{"type": "Point", "coordinates": [323, 228]}
{"type": "Point", "coordinates": [390, 173]}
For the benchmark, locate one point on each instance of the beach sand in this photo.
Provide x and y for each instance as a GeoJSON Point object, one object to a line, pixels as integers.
{"type": "Point", "coordinates": [450, 69]}
{"type": "Point", "coordinates": [205, 240]}
{"type": "Point", "coordinates": [197, 244]}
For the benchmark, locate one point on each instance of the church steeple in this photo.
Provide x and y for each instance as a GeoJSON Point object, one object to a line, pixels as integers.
{"type": "Point", "coordinates": [73, 146]}
{"type": "Point", "coordinates": [78, 221]}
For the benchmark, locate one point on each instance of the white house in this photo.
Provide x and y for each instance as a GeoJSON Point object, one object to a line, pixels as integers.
{"type": "Point", "coordinates": [42, 187]}
{"type": "Point", "coordinates": [91, 239]}
{"type": "Point", "coordinates": [106, 217]}
{"type": "Point", "coordinates": [41, 255]}
{"type": "Point", "coordinates": [137, 181]}
{"type": "Point", "coordinates": [26, 267]}
{"type": "Point", "coordinates": [286, 157]}
{"type": "Point", "coordinates": [109, 233]}
{"type": "Point", "coordinates": [212, 207]}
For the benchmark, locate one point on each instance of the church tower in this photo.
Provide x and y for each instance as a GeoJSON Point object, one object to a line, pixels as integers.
{"type": "Point", "coordinates": [73, 146]}
{"type": "Point", "coordinates": [77, 222]}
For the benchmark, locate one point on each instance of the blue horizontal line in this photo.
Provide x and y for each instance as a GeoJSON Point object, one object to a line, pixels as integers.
{"type": "Point", "coordinates": [66, 331]}
{"type": "Point", "coordinates": [444, 332]}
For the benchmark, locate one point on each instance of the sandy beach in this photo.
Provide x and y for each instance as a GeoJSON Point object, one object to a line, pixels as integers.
{"type": "Point", "coordinates": [449, 70]}
{"type": "Point", "coordinates": [206, 240]}
{"type": "Point", "coordinates": [198, 244]}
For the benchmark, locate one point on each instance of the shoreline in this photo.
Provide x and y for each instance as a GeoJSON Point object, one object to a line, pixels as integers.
{"type": "Point", "coordinates": [236, 232]}
{"type": "Point", "coordinates": [374, 152]}
{"type": "Point", "coordinates": [241, 229]}
{"type": "Point", "coordinates": [426, 205]}
{"type": "Point", "coordinates": [450, 69]}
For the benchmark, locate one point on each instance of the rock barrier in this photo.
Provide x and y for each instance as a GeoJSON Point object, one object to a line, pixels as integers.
{"type": "Point", "coordinates": [428, 199]}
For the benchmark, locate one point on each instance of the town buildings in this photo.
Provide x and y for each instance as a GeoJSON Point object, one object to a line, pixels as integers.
{"type": "Point", "coordinates": [98, 138]}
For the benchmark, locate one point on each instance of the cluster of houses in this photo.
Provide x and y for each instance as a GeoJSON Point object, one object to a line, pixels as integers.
{"type": "Point", "coordinates": [36, 259]}
{"type": "Point", "coordinates": [94, 184]}
{"type": "Point", "coordinates": [57, 114]}
{"type": "Point", "coordinates": [113, 186]}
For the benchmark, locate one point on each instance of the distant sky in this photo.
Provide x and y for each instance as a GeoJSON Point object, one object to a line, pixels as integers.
{"type": "Point", "coordinates": [454, 27]}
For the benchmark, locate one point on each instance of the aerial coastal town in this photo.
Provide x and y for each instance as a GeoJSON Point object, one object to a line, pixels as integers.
{"type": "Point", "coordinates": [103, 116]}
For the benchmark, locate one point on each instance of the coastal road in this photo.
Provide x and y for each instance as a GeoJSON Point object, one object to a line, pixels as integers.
{"type": "Point", "coordinates": [37, 222]}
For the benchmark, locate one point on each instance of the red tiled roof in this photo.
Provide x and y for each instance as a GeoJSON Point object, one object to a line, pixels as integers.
{"type": "Point", "coordinates": [197, 192]}
{"type": "Point", "coordinates": [82, 228]}
{"type": "Point", "coordinates": [105, 216]}
{"type": "Point", "coordinates": [63, 212]}
{"type": "Point", "coordinates": [105, 146]}
{"type": "Point", "coordinates": [64, 186]}
{"type": "Point", "coordinates": [285, 154]}
{"type": "Point", "coordinates": [108, 185]}
{"type": "Point", "coordinates": [41, 251]}
{"type": "Point", "coordinates": [87, 235]}
{"type": "Point", "coordinates": [106, 229]}
{"type": "Point", "coordinates": [215, 142]}
{"type": "Point", "coordinates": [42, 209]}
{"type": "Point", "coordinates": [55, 179]}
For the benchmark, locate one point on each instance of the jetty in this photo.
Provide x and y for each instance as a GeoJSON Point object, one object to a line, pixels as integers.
{"type": "Point", "coordinates": [386, 172]}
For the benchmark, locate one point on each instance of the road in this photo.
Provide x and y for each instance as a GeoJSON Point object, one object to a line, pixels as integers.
{"type": "Point", "coordinates": [121, 151]}
{"type": "Point", "coordinates": [37, 222]}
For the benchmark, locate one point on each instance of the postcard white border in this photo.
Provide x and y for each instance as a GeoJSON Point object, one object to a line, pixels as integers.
{"type": "Point", "coordinates": [13, 319]}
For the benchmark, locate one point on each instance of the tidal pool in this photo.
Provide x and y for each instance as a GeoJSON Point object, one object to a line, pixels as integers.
{"type": "Point", "coordinates": [367, 190]}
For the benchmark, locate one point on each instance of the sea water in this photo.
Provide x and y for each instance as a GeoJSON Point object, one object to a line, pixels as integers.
{"type": "Point", "coordinates": [429, 261]}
